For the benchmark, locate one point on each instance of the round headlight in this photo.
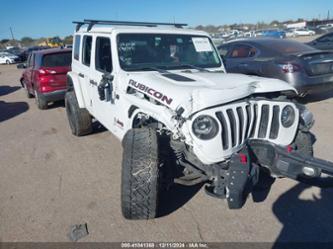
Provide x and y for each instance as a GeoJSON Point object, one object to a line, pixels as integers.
{"type": "Point", "coordinates": [288, 116]}
{"type": "Point", "coordinates": [205, 127]}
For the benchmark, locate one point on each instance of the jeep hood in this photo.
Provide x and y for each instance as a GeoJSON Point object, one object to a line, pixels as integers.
{"type": "Point", "coordinates": [195, 91]}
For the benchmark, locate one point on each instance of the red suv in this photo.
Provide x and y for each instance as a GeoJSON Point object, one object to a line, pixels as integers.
{"type": "Point", "coordinates": [45, 75]}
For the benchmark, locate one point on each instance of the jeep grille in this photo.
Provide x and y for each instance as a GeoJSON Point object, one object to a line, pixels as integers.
{"type": "Point", "coordinates": [260, 120]}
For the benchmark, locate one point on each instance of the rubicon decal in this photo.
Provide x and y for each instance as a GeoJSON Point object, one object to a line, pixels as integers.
{"type": "Point", "coordinates": [150, 91]}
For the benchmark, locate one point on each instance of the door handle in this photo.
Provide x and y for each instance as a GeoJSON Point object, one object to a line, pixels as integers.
{"type": "Point", "coordinates": [81, 75]}
{"type": "Point", "coordinates": [93, 82]}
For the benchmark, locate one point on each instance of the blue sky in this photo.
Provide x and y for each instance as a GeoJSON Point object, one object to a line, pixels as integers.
{"type": "Point", "coordinates": [36, 18]}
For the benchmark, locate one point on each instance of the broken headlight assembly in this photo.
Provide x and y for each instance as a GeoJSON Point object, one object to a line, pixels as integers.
{"type": "Point", "coordinates": [205, 127]}
{"type": "Point", "coordinates": [306, 117]}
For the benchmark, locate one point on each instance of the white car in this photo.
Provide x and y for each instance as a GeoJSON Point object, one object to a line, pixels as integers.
{"type": "Point", "coordinates": [303, 32]}
{"type": "Point", "coordinates": [290, 32]}
{"type": "Point", "coordinates": [7, 58]}
{"type": "Point", "coordinates": [163, 91]}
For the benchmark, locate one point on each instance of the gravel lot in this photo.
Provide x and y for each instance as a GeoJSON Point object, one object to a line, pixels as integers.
{"type": "Point", "coordinates": [50, 180]}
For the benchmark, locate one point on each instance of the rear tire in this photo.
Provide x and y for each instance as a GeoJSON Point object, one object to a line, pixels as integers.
{"type": "Point", "coordinates": [79, 119]}
{"type": "Point", "coordinates": [42, 104]}
{"type": "Point", "coordinates": [27, 93]}
{"type": "Point", "coordinates": [140, 174]}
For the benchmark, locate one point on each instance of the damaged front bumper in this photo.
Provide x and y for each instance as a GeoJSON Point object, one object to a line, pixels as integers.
{"type": "Point", "coordinates": [286, 162]}
{"type": "Point", "coordinates": [237, 180]}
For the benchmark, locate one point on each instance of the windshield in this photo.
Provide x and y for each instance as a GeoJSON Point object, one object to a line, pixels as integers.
{"type": "Point", "coordinates": [166, 51]}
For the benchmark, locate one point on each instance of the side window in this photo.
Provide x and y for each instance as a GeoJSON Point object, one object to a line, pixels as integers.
{"type": "Point", "coordinates": [103, 60]}
{"type": "Point", "coordinates": [77, 41]}
{"type": "Point", "coordinates": [28, 60]}
{"type": "Point", "coordinates": [242, 51]}
{"type": "Point", "coordinates": [31, 60]}
{"type": "Point", "coordinates": [86, 51]}
{"type": "Point", "coordinates": [223, 50]}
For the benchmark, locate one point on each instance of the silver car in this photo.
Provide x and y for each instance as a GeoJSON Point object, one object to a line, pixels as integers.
{"type": "Point", "coordinates": [309, 70]}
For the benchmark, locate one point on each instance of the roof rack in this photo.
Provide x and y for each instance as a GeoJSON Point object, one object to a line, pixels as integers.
{"type": "Point", "coordinates": [91, 23]}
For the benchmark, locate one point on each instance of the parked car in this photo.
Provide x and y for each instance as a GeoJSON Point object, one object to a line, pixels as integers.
{"type": "Point", "coordinates": [44, 76]}
{"type": "Point", "coordinates": [324, 42]}
{"type": "Point", "coordinates": [306, 68]}
{"type": "Point", "coordinates": [304, 32]}
{"type": "Point", "coordinates": [181, 119]}
{"type": "Point", "coordinates": [273, 33]}
{"type": "Point", "coordinates": [323, 29]}
{"type": "Point", "coordinates": [25, 53]}
{"type": "Point", "coordinates": [289, 32]}
{"type": "Point", "coordinates": [8, 58]}
{"type": "Point", "coordinates": [17, 52]}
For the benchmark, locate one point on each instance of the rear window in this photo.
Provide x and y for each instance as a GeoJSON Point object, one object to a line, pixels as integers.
{"type": "Point", "coordinates": [77, 47]}
{"type": "Point", "coordinates": [57, 60]}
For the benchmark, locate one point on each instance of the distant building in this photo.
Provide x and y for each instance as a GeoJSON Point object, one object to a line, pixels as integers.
{"type": "Point", "coordinates": [315, 23]}
{"type": "Point", "coordinates": [296, 25]}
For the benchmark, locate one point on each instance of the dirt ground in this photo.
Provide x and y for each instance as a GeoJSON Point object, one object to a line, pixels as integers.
{"type": "Point", "coordinates": [50, 180]}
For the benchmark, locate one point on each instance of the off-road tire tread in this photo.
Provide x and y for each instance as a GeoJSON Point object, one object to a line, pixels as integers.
{"type": "Point", "coordinates": [140, 174]}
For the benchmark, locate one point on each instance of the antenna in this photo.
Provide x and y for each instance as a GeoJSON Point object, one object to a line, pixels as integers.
{"type": "Point", "coordinates": [11, 31]}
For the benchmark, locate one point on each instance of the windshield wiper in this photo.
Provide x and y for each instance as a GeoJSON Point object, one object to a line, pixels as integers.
{"type": "Point", "coordinates": [160, 70]}
{"type": "Point", "coordinates": [194, 67]}
{"type": "Point", "coordinates": [143, 68]}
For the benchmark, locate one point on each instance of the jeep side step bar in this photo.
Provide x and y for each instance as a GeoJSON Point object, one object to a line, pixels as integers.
{"type": "Point", "coordinates": [91, 23]}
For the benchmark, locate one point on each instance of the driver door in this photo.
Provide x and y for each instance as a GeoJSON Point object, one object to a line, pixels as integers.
{"type": "Point", "coordinates": [105, 110]}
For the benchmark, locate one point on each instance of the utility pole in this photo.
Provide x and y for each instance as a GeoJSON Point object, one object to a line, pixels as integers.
{"type": "Point", "coordinates": [11, 31]}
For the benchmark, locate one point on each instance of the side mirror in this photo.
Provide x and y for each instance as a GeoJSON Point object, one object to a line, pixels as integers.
{"type": "Point", "coordinates": [21, 65]}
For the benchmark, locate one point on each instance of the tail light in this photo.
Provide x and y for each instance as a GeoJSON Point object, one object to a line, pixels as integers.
{"type": "Point", "coordinates": [43, 71]}
{"type": "Point", "coordinates": [290, 68]}
{"type": "Point", "coordinates": [44, 77]}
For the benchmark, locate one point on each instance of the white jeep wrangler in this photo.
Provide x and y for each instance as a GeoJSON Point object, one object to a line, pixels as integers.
{"type": "Point", "coordinates": [164, 92]}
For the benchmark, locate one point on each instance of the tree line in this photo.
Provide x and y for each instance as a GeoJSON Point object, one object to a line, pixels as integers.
{"type": "Point", "coordinates": [28, 41]}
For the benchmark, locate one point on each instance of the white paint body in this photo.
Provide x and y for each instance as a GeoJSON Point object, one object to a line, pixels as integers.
{"type": "Point", "coordinates": [303, 32]}
{"type": "Point", "coordinates": [208, 93]}
{"type": "Point", "coordinates": [6, 58]}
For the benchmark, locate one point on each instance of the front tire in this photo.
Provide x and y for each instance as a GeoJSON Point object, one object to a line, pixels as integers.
{"type": "Point", "coordinates": [140, 174]}
{"type": "Point", "coordinates": [7, 62]}
{"type": "Point", "coordinates": [79, 119]}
